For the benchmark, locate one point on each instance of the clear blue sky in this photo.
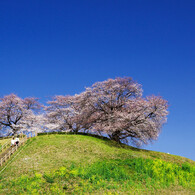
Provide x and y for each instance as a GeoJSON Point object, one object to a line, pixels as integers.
{"type": "Point", "coordinates": [59, 47]}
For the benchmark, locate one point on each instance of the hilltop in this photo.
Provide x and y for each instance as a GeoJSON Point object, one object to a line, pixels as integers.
{"type": "Point", "coordinates": [80, 164]}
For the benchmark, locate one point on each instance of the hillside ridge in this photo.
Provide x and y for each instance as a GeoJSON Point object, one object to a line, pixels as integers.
{"type": "Point", "coordinates": [78, 163]}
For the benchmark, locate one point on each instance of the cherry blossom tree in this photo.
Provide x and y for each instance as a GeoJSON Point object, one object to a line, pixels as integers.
{"type": "Point", "coordinates": [62, 114]}
{"type": "Point", "coordinates": [17, 113]}
{"type": "Point", "coordinates": [35, 123]}
{"type": "Point", "coordinates": [116, 107]}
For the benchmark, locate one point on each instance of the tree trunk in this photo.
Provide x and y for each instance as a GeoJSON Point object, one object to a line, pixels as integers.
{"type": "Point", "coordinates": [115, 136]}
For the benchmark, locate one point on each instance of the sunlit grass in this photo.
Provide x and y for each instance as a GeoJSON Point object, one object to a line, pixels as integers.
{"type": "Point", "coordinates": [83, 164]}
{"type": "Point", "coordinates": [3, 141]}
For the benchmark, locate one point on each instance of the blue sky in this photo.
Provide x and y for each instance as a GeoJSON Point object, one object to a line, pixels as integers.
{"type": "Point", "coordinates": [59, 47]}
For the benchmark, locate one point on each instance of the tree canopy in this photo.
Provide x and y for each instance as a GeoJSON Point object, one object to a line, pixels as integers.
{"type": "Point", "coordinates": [17, 113]}
{"type": "Point", "coordinates": [114, 108]}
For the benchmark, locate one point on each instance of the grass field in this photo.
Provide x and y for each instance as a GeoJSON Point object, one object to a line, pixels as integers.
{"type": "Point", "coordinates": [78, 164]}
{"type": "Point", "coordinates": [3, 141]}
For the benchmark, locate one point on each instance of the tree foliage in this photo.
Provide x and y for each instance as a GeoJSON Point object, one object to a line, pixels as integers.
{"type": "Point", "coordinates": [114, 108]}
{"type": "Point", "coordinates": [17, 113]}
{"type": "Point", "coordinates": [62, 114]}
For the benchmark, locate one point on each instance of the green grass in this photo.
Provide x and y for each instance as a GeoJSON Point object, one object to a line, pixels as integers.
{"type": "Point", "coordinates": [78, 164]}
{"type": "Point", "coordinates": [3, 141]}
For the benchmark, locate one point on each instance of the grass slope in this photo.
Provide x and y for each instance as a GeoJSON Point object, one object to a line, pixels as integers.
{"type": "Point", "coordinates": [3, 141]}
{"type": "Point", "coordinates": [78, 164]}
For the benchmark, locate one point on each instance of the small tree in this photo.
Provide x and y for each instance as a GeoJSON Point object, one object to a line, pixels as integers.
{"type": "Point", "coordinates": [116, 107]}
{"type": "Point", "coordinates": [17, 113]}
{"type": "Point", "coordinates": [62, 114]}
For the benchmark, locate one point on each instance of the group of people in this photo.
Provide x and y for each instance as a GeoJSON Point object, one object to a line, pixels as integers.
{"type": "Point", "coordinates": [15, 141]}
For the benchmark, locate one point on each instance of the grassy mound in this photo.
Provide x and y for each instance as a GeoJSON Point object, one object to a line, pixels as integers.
{"type": "Point", "coordinates": [78, 164]}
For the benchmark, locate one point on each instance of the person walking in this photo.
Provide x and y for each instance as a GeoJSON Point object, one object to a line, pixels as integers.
{"type": "Point", "coordinates": [17, 140]}
{"type": "Point", "coordinates": [12, 141]}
